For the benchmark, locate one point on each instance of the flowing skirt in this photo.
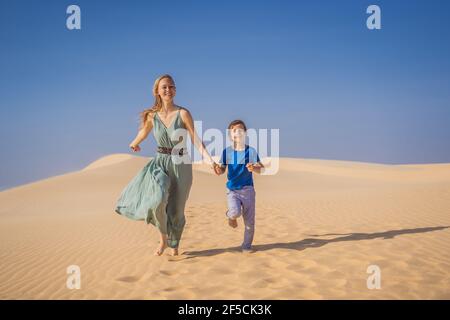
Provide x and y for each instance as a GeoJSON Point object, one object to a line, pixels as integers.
{"type": "Point", "coordinates": [157, 194]}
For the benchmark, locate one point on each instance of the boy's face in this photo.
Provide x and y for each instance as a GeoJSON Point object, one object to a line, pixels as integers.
{"type": "Point", "coordinates": [237, 133]}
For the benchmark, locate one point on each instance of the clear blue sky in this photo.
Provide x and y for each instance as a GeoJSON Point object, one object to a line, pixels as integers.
{"type": "Point", "coordinates": [335, 89]}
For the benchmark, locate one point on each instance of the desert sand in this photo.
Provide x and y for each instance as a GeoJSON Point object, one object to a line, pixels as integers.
{"type": "Point", "coordinates": [319, 225]}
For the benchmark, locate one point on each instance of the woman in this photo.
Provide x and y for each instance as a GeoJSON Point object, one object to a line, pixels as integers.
{"type": "Point", "coordinates": [158, 193]}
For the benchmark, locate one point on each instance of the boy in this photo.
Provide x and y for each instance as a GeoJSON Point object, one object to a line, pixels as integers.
{"type": "Point", "coordinates": [241, 161]}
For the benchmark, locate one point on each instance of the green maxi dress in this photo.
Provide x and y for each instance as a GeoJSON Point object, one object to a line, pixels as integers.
{"type": "Point", "coordinates": [158, 193]}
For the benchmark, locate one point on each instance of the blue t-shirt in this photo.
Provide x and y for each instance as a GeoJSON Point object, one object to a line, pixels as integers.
{"type": "Point", "coordinates": [238, 174]}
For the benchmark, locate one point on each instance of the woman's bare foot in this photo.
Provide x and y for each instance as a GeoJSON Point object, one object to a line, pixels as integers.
{"type": "Point", "coordinates": [160, 250]}
{"type": "Point", "coordinates": [174, 251]}
{"type": "Point", "coordinates": [232, 223]}
{"type": "Point", "coordinates": [162, 245]}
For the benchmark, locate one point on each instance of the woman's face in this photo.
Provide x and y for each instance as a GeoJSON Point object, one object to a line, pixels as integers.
{"type": "Point", "coordinates": [166, 90]}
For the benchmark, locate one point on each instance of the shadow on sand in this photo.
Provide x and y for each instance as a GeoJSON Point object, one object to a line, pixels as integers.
{"type": "Point", "coordinates": [315, 243]}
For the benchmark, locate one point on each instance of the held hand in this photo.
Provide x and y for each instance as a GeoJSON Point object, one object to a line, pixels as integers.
{"type": "Point", "coordinates": [216, 168]}
{"type": "Point", "coordinates": [251, 167]}
{"type": "Point", "coordinates": [135, 148]}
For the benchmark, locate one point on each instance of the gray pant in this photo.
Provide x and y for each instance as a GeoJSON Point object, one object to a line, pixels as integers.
{"type": "Point", "coordinates": [242, 202]}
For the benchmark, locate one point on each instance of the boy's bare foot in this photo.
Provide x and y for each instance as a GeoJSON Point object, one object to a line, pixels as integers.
{"type": "Point", "coordinates": [232, 223]}
{"type": "Point", "coordinates": [160, 250]}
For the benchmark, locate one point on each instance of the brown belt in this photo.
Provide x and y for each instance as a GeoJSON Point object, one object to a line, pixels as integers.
{"type": "Point", "coordinates": [169, 150]}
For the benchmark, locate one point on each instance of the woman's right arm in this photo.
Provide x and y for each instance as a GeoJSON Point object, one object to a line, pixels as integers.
{"type": "Point", "coordinates": [142, 134]}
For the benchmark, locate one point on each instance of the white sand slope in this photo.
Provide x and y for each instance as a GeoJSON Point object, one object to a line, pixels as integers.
{"type": "Point", "coordinates": [320, 224]}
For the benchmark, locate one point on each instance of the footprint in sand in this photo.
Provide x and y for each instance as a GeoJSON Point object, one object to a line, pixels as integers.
{"type": "Point", "coordinates": [169, 289]}
{"type": "Point", "coordinates": [180, 257]}
{"type": "Point", "coordinates": [128, 279]}
{"type": "Point", "coordinates": [167, 273]}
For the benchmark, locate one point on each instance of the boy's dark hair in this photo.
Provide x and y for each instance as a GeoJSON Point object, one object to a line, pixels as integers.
{"type": "Point", "coordinates": [236, 122]}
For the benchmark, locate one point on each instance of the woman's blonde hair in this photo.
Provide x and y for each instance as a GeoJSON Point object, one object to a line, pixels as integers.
{"type": "Point", "coordinates": [158, 101]}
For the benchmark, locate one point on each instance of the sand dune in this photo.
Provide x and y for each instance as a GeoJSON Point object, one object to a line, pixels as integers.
{"type": "Point", "coordinates": [109, 160]}
{"type": "Point", "coordinates": [320, 224]}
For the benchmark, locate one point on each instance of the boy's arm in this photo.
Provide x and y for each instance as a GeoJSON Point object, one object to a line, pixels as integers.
{"type": "Point", "coordinates": [257, 167]}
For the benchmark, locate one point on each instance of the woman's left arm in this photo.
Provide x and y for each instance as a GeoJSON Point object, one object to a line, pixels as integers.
{"type": "Point", "coordinates": [198, 143]}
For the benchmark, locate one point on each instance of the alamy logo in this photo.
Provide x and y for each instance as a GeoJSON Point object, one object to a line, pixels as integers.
{"type": "Point", "coordinates": [74, 278]}
{"type": "Point", "coordinates": [257, 139]}
{"type": "Point", "coordinates": [74, 20]}
{"type": "Point", "coordinates": [374, 20]}
{"type": "Point", "coordinates": [374, 280]}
